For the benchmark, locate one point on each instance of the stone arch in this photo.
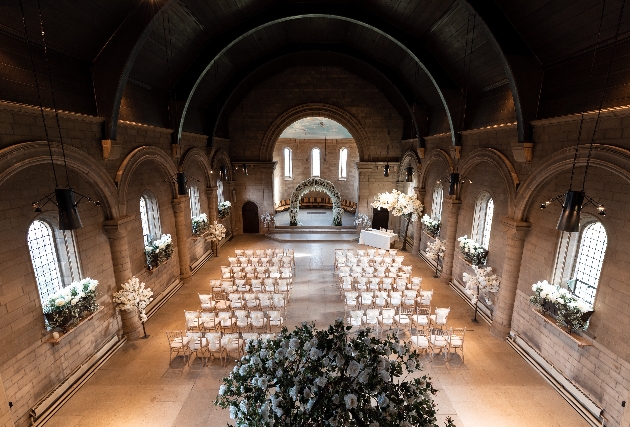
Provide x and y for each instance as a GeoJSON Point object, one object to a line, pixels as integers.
{"type": "Point", "coordinates": [315, 184]}
{"type": "Point", "coordinates": [27, 154]}
{"type": "Point", "coordinates": [408, 159]}
{"type": "Point", "coordinates": [131, 163]}
{"type": "Point", "coordinates": [197, 154]}
{"type": "Point", "coordinates": [607, 157]}
{"type": "Point", "coordinates": [221, 158]}
{"type": "Point", "coordinates": [435, 156]}
{"type": "Point", "coordinates": [308, 110]}
{"type": "Point", "coordinates": [503, 165]}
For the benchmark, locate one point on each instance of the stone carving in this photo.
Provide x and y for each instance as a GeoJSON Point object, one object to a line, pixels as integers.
{"type": "Point", "coordinates": [315, 184]}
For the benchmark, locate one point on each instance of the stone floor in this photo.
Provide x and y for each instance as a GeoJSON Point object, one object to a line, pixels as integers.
{"type": "Point", "coordinates": [138, 387]}
{"type": "Point", "coordinates": [314, 216]}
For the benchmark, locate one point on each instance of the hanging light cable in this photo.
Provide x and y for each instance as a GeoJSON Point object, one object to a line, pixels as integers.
{"type": "Point", "coordinates": [64, 197]}
{"type": "Point", "coordinates": [574, 200]}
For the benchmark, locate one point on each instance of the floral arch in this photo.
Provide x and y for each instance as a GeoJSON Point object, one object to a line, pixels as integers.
{"type": "Point", "coordinates": [315, 184]}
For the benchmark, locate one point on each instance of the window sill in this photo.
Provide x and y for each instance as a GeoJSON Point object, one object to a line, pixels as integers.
{"type": "Point", "coordinates": [577, 339]}
{"type": "Point", "coordinates": [288, 178]}
{"type": "Point", "coordinates": [56, 341]}
{"type": "Point", "coordinates": [343, 179]}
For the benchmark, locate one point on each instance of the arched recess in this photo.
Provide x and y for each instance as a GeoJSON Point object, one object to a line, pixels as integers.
{"type": "Point", "coordinates": [410, 158]}
{"type": "Point", "coordinates": [249, 215]}
{"type": "Point", "coordinates": [221, 158]}
{"type": "Point", "coordinates": [309, 110]}
{"type": "Point", "coordinates": [199, 155]}
{"type": "Point", "coordinates": [135, 159]}
{"type": "Point", "coordinates": [436, 155]}
{"type": "Point", "coordinates": [503, 165]}
{"type": "Point", "coordinates": [28, 154]}
{"type": "Point", "coordinates": [315, 184]}
{"type": "Point", "coordinates": [607, 157]}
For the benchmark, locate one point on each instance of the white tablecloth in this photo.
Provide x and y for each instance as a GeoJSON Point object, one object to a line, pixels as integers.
{"type": "Point", "coordinates": [377, 239]}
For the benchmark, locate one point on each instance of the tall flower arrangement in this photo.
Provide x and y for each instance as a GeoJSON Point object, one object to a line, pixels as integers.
{"type": "Point", "coordinates": [431, 226]}
{"type": "Point", "coordinates": [571, 311]}
{"type": "Point", "coordinates": [200, 224]}
{"type": "Point", "coordinates": [134, 296]}
{"type": "Point", "coordinates": [472, 251]}
{"type": "Point", "coordinates": [482, 281]}
{"type": "Point", "coordinates": [400, 204]}
{"type": "Point", "coordinates": [224, 209]}
{"type": "Point", "coordinates": [66, 308]}
{"type": "Point", "coordinates": [159, 251]}
{"type": "Point", "coordinates": [216, 232]}
{"type": "Point", "coordinates": [312, 377]}
{"type": "Point", "coordinates": [267, 219]}
{"type": "Point", "coordinates": [435, 249]}
{"type": "Point", "coordinates": [362, 221]}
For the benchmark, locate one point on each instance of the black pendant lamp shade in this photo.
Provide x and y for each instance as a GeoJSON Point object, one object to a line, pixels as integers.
{"type": "Point", "coordinates": [386, 170]}
{"type": "Point", "coordinates": [181, 184]}
{"type": "Point", "coordinates": [453, 186]}
{"type": "Point", "coordinates": [68, 214]}
{"type": "Point", "coordinates": [409, 175]}
{"type": "Point", "coordinates": [570, 217]}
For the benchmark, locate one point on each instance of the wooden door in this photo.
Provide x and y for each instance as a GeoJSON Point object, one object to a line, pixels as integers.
{"type": "Point", "coordinates": [380, 218]}
{"type": "Point", "coordinates": [250, 218]}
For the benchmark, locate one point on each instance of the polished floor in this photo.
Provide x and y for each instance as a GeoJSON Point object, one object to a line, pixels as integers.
{"type": "Point", "coordinates": [138, 387]}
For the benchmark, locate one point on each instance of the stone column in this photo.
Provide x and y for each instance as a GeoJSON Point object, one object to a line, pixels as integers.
{"type": "Point", "coordinates": [213, 204]}
{"type": "Point", "coordinates": [452, 207]}
{"type": "Point", "coordinates": [228, 187]}
{"type": "Point", "coordinates": [183, 230]}
{"type": "Point", "coordinates": [116, 230]}
{"type": "Point", "coordinates": [504, 307]}
{"type": "Point", "coordinates": [417, 231]}
{"type": "Point", "coordinates": [363, 204]}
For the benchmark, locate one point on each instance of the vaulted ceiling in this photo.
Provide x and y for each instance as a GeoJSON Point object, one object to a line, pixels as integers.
{"type": "Point", "coordinates": [162, 62]}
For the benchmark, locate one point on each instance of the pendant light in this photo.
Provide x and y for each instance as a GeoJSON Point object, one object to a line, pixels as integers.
{"type": "Point", "coordinates": [386, 167]}
{"type": "Point", "coordinates": [409, 174]}
{"type": "Point", "coordinates": [576, 200]}
{"type": "Point", "coordinates": [62, 197]}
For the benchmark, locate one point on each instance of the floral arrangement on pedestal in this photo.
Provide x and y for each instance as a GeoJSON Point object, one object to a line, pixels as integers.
{"type": "Point", "coordinates": [200, 224]}
{"type": "Point", "coordinates": [68, 306]}
{"type": "Point", "coordinates": [569, 310]}
{"type": "Point", "coordinates": [482, 282]}
{"type": "Point", "coordinates": [224, 209]}
{"type": "Point", "coordinates": [472, 251]}
{"type": "Point", "coordinates": [312, 377]}
{"type": "Point", "coordinates": [216, 232]}
{"type": "Point", "coordinates": [159, 251]}
{"type": "Point", "coordinates": [400, 204]}
{"type": "Point", "coordinates": [435, 249]}
{"type": "Point", "coordinates": [267, 219]}
{"type": "Point", "coordinates": [431, 226]}
{"type": "Point", "coordinates": [133, 295]}
{"type": "Point", "coordinates": [362, 221]}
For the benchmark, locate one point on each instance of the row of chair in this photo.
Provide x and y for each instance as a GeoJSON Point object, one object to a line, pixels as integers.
{"type": "Point", "coordinates": [430, 341]}
{"type": "Point", "coordinates": [270, 252]}
{"type": "Point", "coordinates": [380, 283]}
{"type": "Point", "coordinates": [250, 272]}
{"type": "Point", "coordinates": [240, 320]}
{"type": "Point", "coordinates": [381, 299]}
{"type": "Point", "coordinates": [366, 252]}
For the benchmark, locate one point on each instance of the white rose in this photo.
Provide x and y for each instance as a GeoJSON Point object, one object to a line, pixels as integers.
{"type": "Point", "coordinates": [351, 401]}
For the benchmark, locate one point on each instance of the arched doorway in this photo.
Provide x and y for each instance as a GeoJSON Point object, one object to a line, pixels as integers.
{"type": "Point", "coordinates": [315, 184]}
{"type": "Point", "coordinates": [380, 218]}
{"type": "Point", "coordinates": [250, 218]}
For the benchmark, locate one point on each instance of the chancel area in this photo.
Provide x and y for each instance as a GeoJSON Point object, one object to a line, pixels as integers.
{"type": "Point", "coordinates": [183, 183]}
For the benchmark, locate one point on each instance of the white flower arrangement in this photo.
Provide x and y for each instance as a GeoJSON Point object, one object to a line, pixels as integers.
{"type": "Point", "coordinates": [472, 251]}
{"type": "Point", "coordinates": [312, 377]}
{"type": "Point", "coordinates": [399, 204]}
{"type": "Point", "coordinates": [216, 232]}
{"type": "Point", "coordinates": [224, 209]}
{"type": "Point", "coordinates": [200, 224]}
{"type": "Point", "coordinates": [362, 221]}
{"type": "Point", "coordinates": [431, 226]}
{"type": "Point", "coordinates": [159, 251]}
{"type": "Point", "coordinates": [483, 281]}
{"type": "Point", "coordinates": [66, 307]}
{"type": "Point", "coordinates": [267, 219]}
{"type": "Point", "coordinates": [134, 296]}
{"type": "Point", "coordinates": [435, 249]}
{"type": "Point", "coordinates": [316, 184]}
{"type": "Point", "coordinates": [571, 311]}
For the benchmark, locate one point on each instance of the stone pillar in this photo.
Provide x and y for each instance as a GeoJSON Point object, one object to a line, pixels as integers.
{"type": "Point", "coordinates": [417, 231]}
{"type": "Point", "coordinates": [363, 204]}
{"type": "Point", "coordinates": [229, 194]}
{"type": "Point", "coordinates": [183, 230]}
{"type": "Point", "coordinates": [504, 307]}
{"type": "Point", "coordinates": [213, 204]}
{"type": "Point", "coordinates": [452, 217]}
{"type": "Point", "coordinates": [116, 230]}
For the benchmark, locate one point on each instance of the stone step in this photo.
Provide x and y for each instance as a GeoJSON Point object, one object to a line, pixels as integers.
{"type": "Point", "coordinates": [313, 237]}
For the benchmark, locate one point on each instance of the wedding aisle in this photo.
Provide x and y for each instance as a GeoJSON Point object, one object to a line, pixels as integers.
{"type": "Point", "coordinates": [138, 386]}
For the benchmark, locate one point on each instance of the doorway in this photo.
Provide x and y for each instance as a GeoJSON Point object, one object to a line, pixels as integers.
{"type": "Point", "coordinates": [380, 218]}
{"type": "Point", "coordinates": [250, 218]}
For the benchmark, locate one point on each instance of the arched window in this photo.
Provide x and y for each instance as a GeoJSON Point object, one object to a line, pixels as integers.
{"type": "Point", "coordinates": [288, 163]}
{"type": "Point", "coordinates": [343, 160]}
{"type": "Point", "coordinates": [195, 206]}
{"type": "Point", "coordinates": [436, 205]}
{"type": "Point", "coordinates": [315, 162]}
{"type": "Point", "coordinates": [482, 219]}
{"type": "Point", "coordinates": [54, 257]}
{"type": "Point", "coordinates": [150, 215]}
{"type": "Point", "coordinates": [580, 258]}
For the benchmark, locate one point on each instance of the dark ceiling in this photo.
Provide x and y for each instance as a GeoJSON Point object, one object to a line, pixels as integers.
{"type": "Point", "coordinates": [201, 52]}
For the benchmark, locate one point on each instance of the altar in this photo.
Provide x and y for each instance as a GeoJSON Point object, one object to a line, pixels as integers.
{"type": "Point", "coordinates": [377, 239]}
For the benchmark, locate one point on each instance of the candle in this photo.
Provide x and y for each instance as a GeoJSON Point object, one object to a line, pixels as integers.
{"type": "Point", "coordinates": [56, 335]}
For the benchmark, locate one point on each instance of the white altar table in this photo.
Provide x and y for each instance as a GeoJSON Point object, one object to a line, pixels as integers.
{"type": "Point", "coordinates": [377, 239]}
